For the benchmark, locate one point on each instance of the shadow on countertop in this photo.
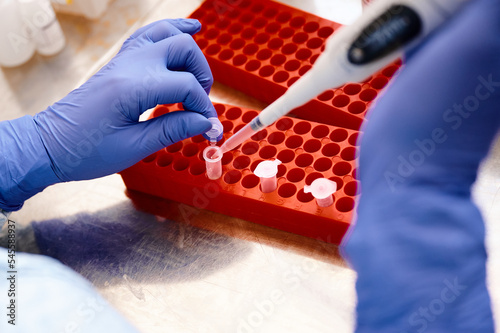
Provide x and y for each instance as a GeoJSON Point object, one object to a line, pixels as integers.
{"type": "Point", "coordinates": [121, 243]}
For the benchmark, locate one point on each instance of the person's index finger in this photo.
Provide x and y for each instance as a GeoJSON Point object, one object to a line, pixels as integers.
{"type": "Point", "coordinates": [183, 54]}
{"type": "Point", "coordinates": [168, 27]}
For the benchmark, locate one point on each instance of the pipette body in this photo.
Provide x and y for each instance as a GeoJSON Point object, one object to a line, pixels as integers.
{"type": "Point", "coordinates": [377, 38]}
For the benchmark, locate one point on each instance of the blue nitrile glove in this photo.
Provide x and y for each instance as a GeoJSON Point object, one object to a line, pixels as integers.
{"type": "Point", "coordinates": [418, 245]}
{"type": "Point", "coordinates": [95, 130]}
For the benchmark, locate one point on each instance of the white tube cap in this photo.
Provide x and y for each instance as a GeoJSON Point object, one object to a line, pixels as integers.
{"type": "Point", "coordinates": [267, 169]}
{"type": "Point", "coordinates": [321, 188]}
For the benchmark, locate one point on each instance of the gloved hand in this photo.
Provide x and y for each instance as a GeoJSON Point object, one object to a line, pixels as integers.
{"type": "Point", "coordinates": [418, 243]}
{"type": "Point", "coordinates": [95, 130]}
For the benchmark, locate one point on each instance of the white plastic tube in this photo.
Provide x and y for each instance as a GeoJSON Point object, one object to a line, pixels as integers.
{"type": "Point", "coordinates": [41, 19]}
{"type": "Point", "coordinates": [16, 45]}
{"type": "Point", "coordinates": [213, 160]}
{"type": "Point", "coordinates": [267, 171]}
{"type": "Point", "coordinates": [322, 189]}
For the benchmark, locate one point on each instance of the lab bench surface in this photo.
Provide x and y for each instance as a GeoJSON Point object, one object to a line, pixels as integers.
{"type": "Point", "coordinates": [201, 271]}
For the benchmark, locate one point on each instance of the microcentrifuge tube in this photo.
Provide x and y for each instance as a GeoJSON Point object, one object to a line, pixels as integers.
{"type": "Point", "coordinates": [213, 160]}
{"type": "Point", "coordinates": [267, 171]}
{"type": "Point", "coordinates": [322, 189]}
{"type": "Point", "coordinates": [215, 133]}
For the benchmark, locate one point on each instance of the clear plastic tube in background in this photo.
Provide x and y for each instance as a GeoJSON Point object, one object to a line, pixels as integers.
{"type": "Point", "coordinates": [16, 45]}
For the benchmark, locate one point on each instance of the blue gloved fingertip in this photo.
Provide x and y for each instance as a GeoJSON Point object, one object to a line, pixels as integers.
{"type": "Point", "coordinates": [216, 132]}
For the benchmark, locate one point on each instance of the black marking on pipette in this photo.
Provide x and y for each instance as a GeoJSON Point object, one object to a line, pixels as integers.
{"type": "Point", "coordinates": [398, 26]}
{"type": "Point", "coordinates": [256, 125]}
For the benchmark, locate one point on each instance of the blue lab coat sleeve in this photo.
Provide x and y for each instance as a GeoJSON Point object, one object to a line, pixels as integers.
{"type": "Point", "coordinates": [418, 242]}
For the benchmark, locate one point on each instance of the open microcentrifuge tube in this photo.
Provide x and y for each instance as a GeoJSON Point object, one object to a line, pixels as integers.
{"type": "Point", "coordinates": [267, 171]}
{"type": "Point", "coordinates": [213, 160]}
{"type": "Point", "coordinates": [322, 189]}
{"type": "Point", "coordinates": [215, 132]}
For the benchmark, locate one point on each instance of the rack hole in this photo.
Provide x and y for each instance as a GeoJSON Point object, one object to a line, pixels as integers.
{"type": "Point", "coordinates": [283, 17]}
{"type": "Point", "coordinates": [286, 33]}
{"type": "Point", "coordinates": [227, 126]}
{"type": "Point", "coordinates": [342, 168]}
{"type": "Point", "coordinates": [278, 59]}
{"type": "Point", "coordinates": [352, 89]}
{"type": "Point", "coordinates": [276, 138]}
{"type": "Point", "coordinates": [227, 158]}
{"type": "Point", "coordinates": [248, 116]}
{"type": "Point", "coordinates": [250, 181]}
{"type": "Point", "coordinates": [289, 48]}
{"type": "Point", "coordinates": [250, 148]}
{"type": "Point", "coordinates": [250, 49]}
{"type": "Point", "coordinates": [323, 164]}
{"type": "Point", "coordinates": [338, 135]}
{"type": "Point", "coordinates": [330, 150]}
{"type": "Point", "coordinates": [252, 65]}
{"type": "Point", "coordinates": [312, 146]}
{"type": "Point", "coordinates": [351, 188]}
{"type": "Point", "coordinates": [235, 28]}
{"type": "Point", "coordinates": [266, 71]}
{"type": "Point", "coordinates": [261, 135]}
{"type": "Point", "coordinates": [379, 82]}
{"type": "Point", "coordinates": [292, 65]}
{"type": "Point", "coordinates": [326, 96]}
{"type": "Point", "coordinates": [368, 95]}
{"type": "Point", "coordinates": [286, 156]}
{"type": "Point", "coordinates": [340, 101]}
{"type": "Point", "coordinates": [304, 197]}
{"type": "Point", "coordinates": [304, 160]}
{"type": "Point", "coordinates": [273, 28]}
{"type": "Point", "coordinates": [241, 162]}
{"type": "Point", "coordinates": [284, 124]}
{"type": "Point", "coordinates": [353, 139]}
{"type": "Point", "coordinates": [311, 27]}
{"type": "Point", "coordinates": [325, 32]}
{"type": "Point", "coordinates": [297, 21]}
{"type": "Point", "coordinates": [356, 107]}
{"type": "Point", "coordinates": [226, 55]}
{"type": "Point", "coordinates": [295, 175]}
{"type": "Point", "coordinates": [248, 33]}
{"type": "Point", "coordinates": [275, 43]}
{"type": "Point", "coordinates": [237, 44]}
{"type": "Point", "coordinates": [165, 160]}
{"type": "Point", "coordinates": [213, 49]}
{"type": "Point", "coordinates": [239, 60]}
{"type": "Point", "coordinates": [320, 131]}
{"type": "Point", "coordinates": [259, 22]}
{"type": "Point", "coordinates": [314, 43]}
{"type": "Point", "coordinates": [232, 177]}
{"type": "Point", "coordinates": [233, 113]}
{"type": "Point", "coordinates": [150, 158]}
{"type": "Point", "coordinates": [197, 169]}
{"type": "Point", "coordinates": [268, 152]}
{"type": "Point", "coordinates": [345, 205]}
{"type": "Point", "coordinates": [190, 150]}
{"type": "Point", "coordinates": [175, 147]}
{"type": "Point", "coordinates": [287, 190]}
{"type": "Point", "coordinates": [294, 141]}
{"type": "Point", "coordinates": [348, 154]}
{"type": "Point", "coordinates": [281, 76]}
{"type": "Point", "coordinates": [312, 177]}
{"type": "Point", "coordinates": [302, 128]}
{"type": "Point", "coordinates": [262, 38]}
{"type": "Point", "coordinates": [181, 164]}
{"type": "Point", "coordinates": [300, 37]}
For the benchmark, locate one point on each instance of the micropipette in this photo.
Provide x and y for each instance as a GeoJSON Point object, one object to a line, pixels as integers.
{"type": "Point", "coordinates": [355, 52]}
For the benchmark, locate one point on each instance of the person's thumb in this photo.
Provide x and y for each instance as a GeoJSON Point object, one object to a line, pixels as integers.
{"type": "Point", "coordinates": [170, 128]}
